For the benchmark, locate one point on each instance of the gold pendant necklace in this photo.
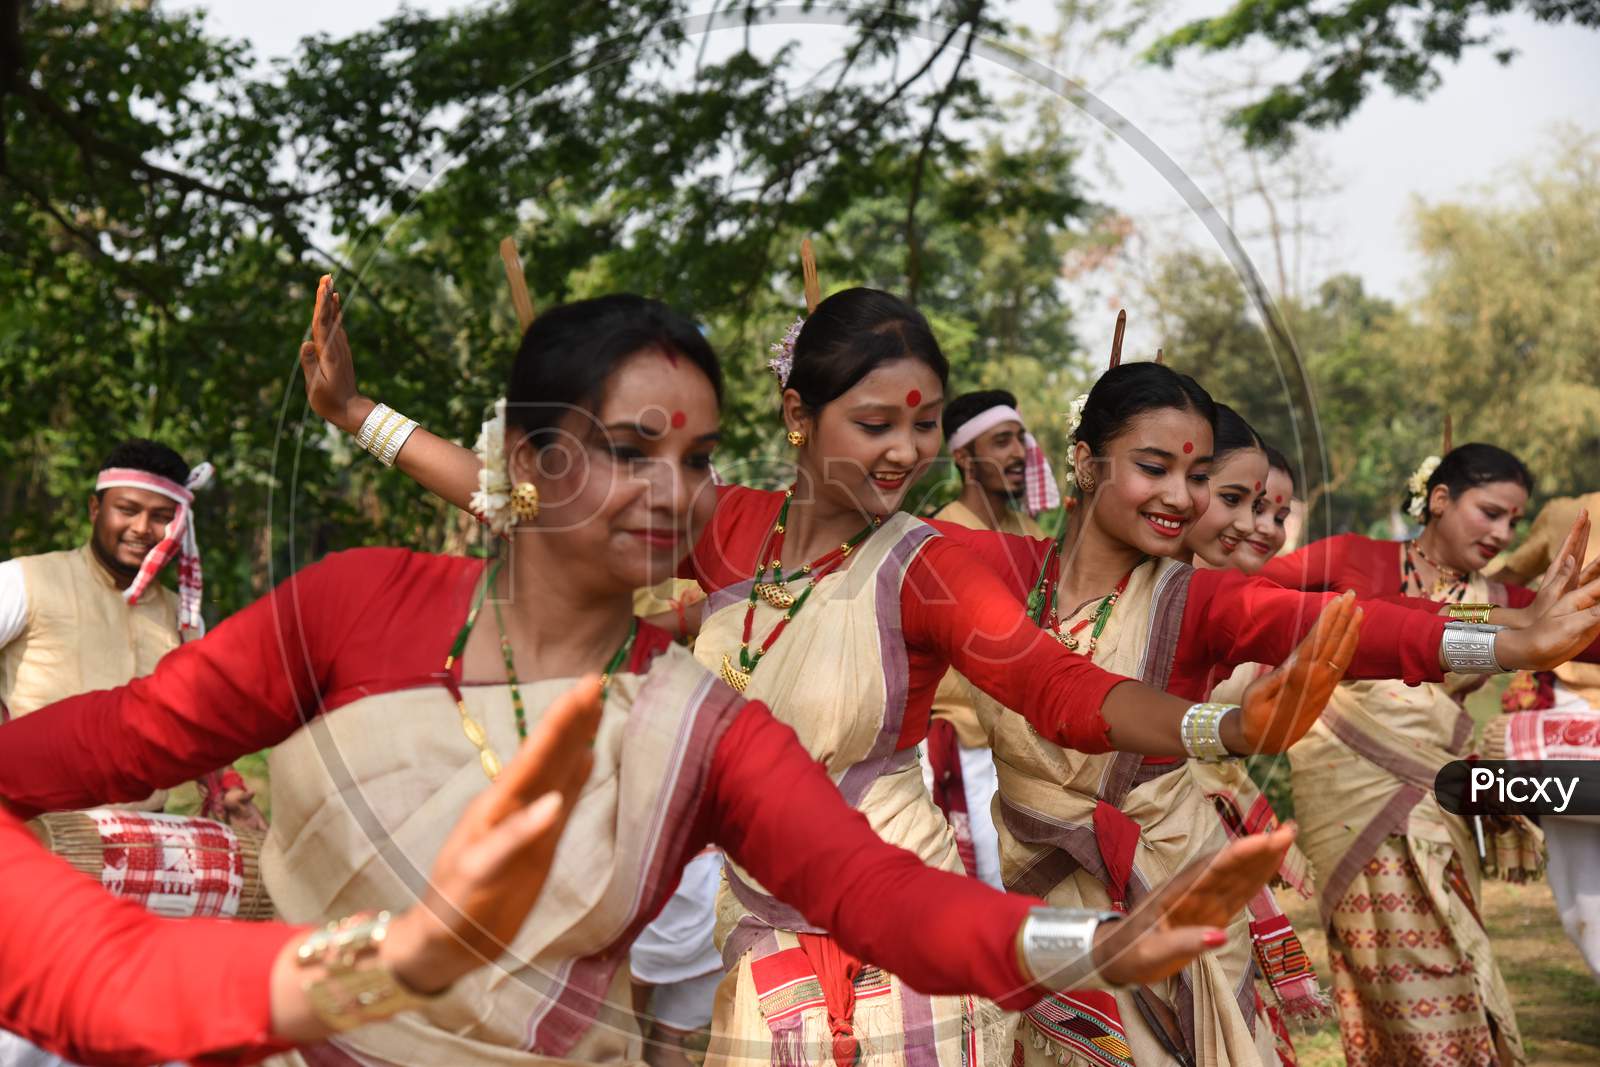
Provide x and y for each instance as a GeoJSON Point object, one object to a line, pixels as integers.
{"type": "Point", "coordinates": [775, 594]}
{"type": "Point", "coordinates": [735, 677]}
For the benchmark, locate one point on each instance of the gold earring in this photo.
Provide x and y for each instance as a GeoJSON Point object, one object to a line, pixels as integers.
{"type": "Point", "coordinates": [1085, 482]}
{"type": "Point", "coordinates": [796, 438]}
{"type": "Point", "coordinates": [525, 501]}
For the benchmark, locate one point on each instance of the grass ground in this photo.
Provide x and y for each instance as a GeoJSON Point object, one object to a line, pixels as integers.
{"type": "Point", "coordinates": [1556, 999]}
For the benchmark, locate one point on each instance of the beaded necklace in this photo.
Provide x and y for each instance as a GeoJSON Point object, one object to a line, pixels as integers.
{"type": "Point", "coordinates": [1449, 584]}
{"type": "Point", "coordinates": [1045, 593]}
{"type": "Point", "coordinates": [775, 592]}
{"type": "Point", "coordinates": [470, 726]}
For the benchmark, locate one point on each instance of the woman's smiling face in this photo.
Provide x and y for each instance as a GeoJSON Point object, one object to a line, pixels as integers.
{"type": "Point", "coordinates": [1271, 525]}
{"type": "Point", "coordinates": [869, 445]}
{"type": "Point", "coordinates": [1238, 481]}
{"type": "Point", "coordinates": [1150, 483]}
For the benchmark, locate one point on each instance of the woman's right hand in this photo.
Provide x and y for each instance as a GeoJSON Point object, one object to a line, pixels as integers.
{"type": "Point", "coordinates": [1186, 917]}
{"type": "Point", "coordinates": [328, 366]}
{"type": "Point", "coordinates": [1564, 630]}
{"type": "Point", "coordinates": [493, 866]}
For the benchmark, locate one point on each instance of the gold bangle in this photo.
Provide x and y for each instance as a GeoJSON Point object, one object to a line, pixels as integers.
{"type": "Point", "coordinates": [356, 987]}
{"type": "Point", "coordinates": [1474, 613]}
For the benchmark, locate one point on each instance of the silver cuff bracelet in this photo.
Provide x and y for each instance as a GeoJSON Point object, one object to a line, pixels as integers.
{"type": "Point", "coordinates": [1201, 731]}
{"type": "Point", "coordinates": [1468, 648]}
{"type": "Point", "coordinates": [1058, 947]}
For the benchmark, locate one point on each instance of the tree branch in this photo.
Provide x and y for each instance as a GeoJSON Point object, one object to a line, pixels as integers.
{"type": "Point", "coordinates": [913, 241]}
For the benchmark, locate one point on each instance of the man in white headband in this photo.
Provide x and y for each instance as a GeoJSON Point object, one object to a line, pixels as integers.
{"type": "Point", "coordinates": [95, 617]}
{"type": "Point", "coordinates": [1005, 481]}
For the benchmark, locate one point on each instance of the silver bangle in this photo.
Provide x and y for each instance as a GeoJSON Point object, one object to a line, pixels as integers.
{"type": "Point", "coordinates": [1058, 947]}
{"type": "Point", "coordinates": [1468, 648]}
{"type": "Point", "coordinates": [1201, 731]}
{"type": "Point", "coordinates": [383, 432]}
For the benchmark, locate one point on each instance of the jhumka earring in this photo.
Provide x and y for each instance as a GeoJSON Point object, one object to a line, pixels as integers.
{"type": "Point", "coordinates": [525, 501]}
{"type": "Point", "coordinates": [796, 438]}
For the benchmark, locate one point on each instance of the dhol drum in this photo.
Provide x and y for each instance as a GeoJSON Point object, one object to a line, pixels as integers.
{"type": "Point", "coordinates": [175, 865]}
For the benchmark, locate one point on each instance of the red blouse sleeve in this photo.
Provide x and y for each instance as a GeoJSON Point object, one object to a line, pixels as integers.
{"type": "Point", "coordinates": [1232, 618]}
{"type": "Point", "coordinates": [779, 816]}
{"type": "Point", "coordinates": [956, 607]}
{"type": "Point", "coordinates": [245, 686]}
{"type": "Point", "coordinates": [1013, 558]}
{"type": "Point", "coordinates": [97, 979]}
{"type": "Point", "coordinates": [1312, 567]}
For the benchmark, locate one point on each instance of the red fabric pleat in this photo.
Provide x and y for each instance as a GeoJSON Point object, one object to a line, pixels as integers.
{"type": "Point", "coordinates": [836, 972]}
{"type": "Point", "coordinates": [1118, 836]}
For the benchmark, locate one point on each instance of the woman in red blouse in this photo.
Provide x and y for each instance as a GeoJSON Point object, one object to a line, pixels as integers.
{"type": "Point", "coordinates": [1112, 586]}
{"type": "Point", "coordinates": [1362, 782]}
{"type": "Point", "coordinates": [388, 695]}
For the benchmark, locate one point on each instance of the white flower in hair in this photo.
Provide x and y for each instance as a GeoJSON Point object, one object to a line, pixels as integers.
{"type": "Point", "coordinates": [492, 501]}
{"type": "Point", "coordinates": [781, 364]}
{"type": "Point", "coordinates": [1075, 420]}
{"type": "Point", "coordinates": [1418, 486]}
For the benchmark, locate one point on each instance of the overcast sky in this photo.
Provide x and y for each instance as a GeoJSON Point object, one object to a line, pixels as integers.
{"type": "Point", "coordinates": [1393, 152]}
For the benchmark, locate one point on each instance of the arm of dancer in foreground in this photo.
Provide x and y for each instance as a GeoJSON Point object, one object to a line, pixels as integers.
{"type": "Point", "coordinates": [98, 979]}
{"type": "Point", "coordinates": [831, 867]}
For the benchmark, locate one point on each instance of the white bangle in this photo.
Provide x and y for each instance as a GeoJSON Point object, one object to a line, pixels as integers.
{"type": "Point", "coordinates": [383, 432]}
{"type": "Point", "coordinates": [1468, 648]}
{"type": "Point", "coordinates": [1201, 731]}
{"type": "Point", "coordinates": [1058, 947]}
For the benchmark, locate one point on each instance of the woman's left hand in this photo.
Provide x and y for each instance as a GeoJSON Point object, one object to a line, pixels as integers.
{"type": "Point", "coordinates": [1189, 913]}
{"type": "Point", "coordinates": [1280, 707]}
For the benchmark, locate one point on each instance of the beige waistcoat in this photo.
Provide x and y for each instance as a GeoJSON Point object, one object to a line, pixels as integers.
{"type": "Point", "coordinates": [81, 635]}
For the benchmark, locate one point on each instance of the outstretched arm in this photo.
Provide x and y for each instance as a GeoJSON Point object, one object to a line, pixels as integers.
{"type": "Point", "coordinates": [964, 613]}
{"type": "Point", "coordinates": [99, 979]}
{"type": "Point", "coordinates": [243, 687]}
{"type": "Point", "coordinates": [843, 878]}
{"type": "Point", "coordinates": [442, 467]}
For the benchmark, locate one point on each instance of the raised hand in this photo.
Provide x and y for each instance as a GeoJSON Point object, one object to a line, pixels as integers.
{"type": "Point", "coordinates": [493, 865]}
{"type": "Point", "coordinates": [1563, 631]}
{"type": "Point", "coordinates": [1185, 916]}
{"type": "Point", "coordinates": [1281, 706]}
{"type": "Point", "coordinates": [328, 366]}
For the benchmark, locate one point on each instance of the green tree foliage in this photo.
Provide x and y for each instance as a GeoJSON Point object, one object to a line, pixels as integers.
{"type": "Point", "coordinates": [1504, 339]}
{"type": "Point", "coordinates": [1507, 334]}
{"type": "Point", "coordinates": [1351, 48]}
{"type": "Point", "coordinates": [1363, 407]}
{"type": "Point", "coordinates": [167, 202]}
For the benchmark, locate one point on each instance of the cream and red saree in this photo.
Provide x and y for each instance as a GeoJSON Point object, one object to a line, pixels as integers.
{"type": "Point", "coordinates": [1399, 879]}
{"type": "Point", "coordinates": [839, 677]}
{"type": "Point", "coordinates": [365, 795]}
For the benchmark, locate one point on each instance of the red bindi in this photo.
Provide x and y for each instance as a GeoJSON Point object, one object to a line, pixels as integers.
{"type": "Point", "coordinates": [678, 419]}
{"type": "Point", "coordinates": [1277, 499]}
{"type": "Point", "coordinates": [1188, 446]}
{"type": "Point", "coordinates": [1258, 487]}
{"type": "Point", "coordinates": [913, 398]}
